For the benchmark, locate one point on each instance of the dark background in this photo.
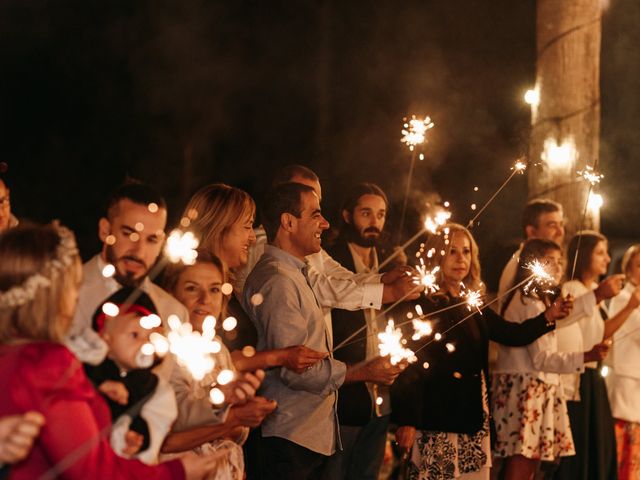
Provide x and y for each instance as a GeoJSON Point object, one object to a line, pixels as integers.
{"type": "Point", "coordinates": [184, 93]}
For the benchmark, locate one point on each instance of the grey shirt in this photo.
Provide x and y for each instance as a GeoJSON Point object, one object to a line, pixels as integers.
{"type": "Point", "coordinates": [288, 315]}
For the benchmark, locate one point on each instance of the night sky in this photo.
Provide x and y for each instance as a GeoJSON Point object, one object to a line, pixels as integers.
{"type": "Point", "coordinates": [184, 93]}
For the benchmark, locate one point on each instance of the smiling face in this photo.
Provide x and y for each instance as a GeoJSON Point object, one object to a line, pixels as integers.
{"type": "Point", "coordinates": [457, 262]}
{"type": "Point", "coordinates": [307, 230]}
{"type": "Point", "coordinates": [234, 250]}
{"type": "Point", "coordinates": [550, 226]}
{"type": "Point", "coordinates": [199, 288]}
{"type": "Point", "coordinates": [600, 259]}
{"type": "Point", "coordinates": [133, 239]}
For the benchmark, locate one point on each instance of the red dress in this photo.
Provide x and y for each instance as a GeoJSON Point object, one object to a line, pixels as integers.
{"type": "Point", "coordinates": [74, 442]}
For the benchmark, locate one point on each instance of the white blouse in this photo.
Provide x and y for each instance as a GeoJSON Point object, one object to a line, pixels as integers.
{"type": "Point", "coordinates": [540, 357]}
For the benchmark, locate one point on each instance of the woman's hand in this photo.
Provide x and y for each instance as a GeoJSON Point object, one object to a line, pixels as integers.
{"type": "Point", "coordinates": [598, 352]}
{"type": "Point", "coordinates": [17, 433]}
{"type": "Point", "coordinates": [405, 436]}
{"type": "Point", "coordinates": [300, 358]}
{"type": "Point", "coordinates": [559, 309]}
{"type": "Point", "coordinates": [198, 467]}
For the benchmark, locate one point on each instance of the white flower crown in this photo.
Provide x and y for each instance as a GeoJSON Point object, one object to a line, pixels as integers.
{"type": "Point", "coordinates": [66, 252]}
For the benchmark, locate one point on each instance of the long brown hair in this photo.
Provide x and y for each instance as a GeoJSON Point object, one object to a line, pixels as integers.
{"type": "Point", "coordinates": [584, 243]}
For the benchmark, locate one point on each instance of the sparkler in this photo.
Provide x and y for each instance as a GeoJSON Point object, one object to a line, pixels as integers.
{"type": "Point", "coordinates": [421, 328]}
{"type": "Point", "coordinates": [590, 175]}
{"type": "Point", "coordinates": [427, 277]}
{"type": "Point", "coordinates": [540, 275]}
{"type": "Point", "coordinates": [391, 344]}
{"type": "Point", "coordinates": [413, 133]}
{"type": "Point", "coordinates": [181, 247]}
{"type": "Point", "coordinates": [473, 299]}
{"type": "Point", "coordinates": [518, 167]}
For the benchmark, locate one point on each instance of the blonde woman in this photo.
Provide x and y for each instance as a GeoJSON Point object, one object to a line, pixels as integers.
{"type": "Point", "coordinates": [39, 278]}
{"type": "Point", "coordinates": [440, 402]}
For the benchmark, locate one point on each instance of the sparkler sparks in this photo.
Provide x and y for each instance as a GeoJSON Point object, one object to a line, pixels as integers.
{"type": "Point", "coordinates": [427, 277]}
{"type": "Point", "coordinates": [539, 276]}
{"type": "Point", "coordinates": [415, 130]}
{"type": "Point", "coordinates": [519, 166]}
{"type": "Point", "coordinates": [181, 247]}
{"type": "Point", "coordinates": [590, 175]}
{"type": "Point", "coordinates": [391, 344]}
{"type": "Point", "coordinates": [473, 299]}
{"type": "Point", "coordinates": [422, 328]}
{"type": "Point", "coordinates": [432, 223]}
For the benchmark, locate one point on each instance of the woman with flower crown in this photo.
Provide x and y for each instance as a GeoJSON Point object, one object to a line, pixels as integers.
{"type": "Point", "coordinates": [39, 278]}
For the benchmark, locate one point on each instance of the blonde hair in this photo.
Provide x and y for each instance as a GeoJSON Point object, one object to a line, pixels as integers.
{"type": "Point", "coordinates": [628, 257]}
{"type": "Point", "coordinates": [214, 210]}
{"type": "Point", "coordinates": [442, 243]}
{"type": "Point", "coordinates": [37, 310]}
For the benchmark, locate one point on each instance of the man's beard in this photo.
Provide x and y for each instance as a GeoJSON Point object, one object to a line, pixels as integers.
{"type": "Point", "coordinates": [128, 279]}
{"type": "Point", "coordinates": [354, 236]}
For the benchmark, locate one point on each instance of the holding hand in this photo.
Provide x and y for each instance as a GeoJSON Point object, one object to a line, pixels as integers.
{"type": "Point", "coordinates": [405, 436]}
{"type": "Point", "coordinates": [252, 413]}
{"type": "Point", "coordinates": [609, 287]}
{"type": "Point", "coordinates": [598, 352]}
{"type": "Point", "coordinates": [300, 358]}
{"type": "Point", "coordinates": [242, 388]}
{"type": "Point", "coordinates": [559, 309]}
{"type": "Point", "coordinates": [17, 433]}
{"type": "Point", "coordinates": [133, 441]}
{"type": "Point", "coordinates": [400, 284]}
{"type": "Point", "coordinates": [115, 391]}
{"type": "Point", "coordinates": [380, 370]}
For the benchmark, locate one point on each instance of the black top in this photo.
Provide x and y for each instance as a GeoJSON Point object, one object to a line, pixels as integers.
{"type": "Point", "coordinates": [140, 383]}
{"type": "Point", "coordinates": [447, 396]}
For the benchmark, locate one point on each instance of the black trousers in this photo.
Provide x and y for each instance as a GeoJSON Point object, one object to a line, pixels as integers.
{"type": "Point", "coordinates": [285, 460]}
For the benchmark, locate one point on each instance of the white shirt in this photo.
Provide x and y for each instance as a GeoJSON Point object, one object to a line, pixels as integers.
{"type": "Point", "coordinates": [333, 285]}
{"type": "Point", "coordinates": [623, 381]}
{"type": "Point", "coordinates": [541, 356]}
{"type": "Point", "coordinates": [507, 278]}
{"type": "Point", "coordinates": [580, 335]}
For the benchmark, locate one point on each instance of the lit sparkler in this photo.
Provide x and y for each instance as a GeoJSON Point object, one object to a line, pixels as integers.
{"type": "Point", "coordinates": [590, 175]}
{"type": "Point", "coordinates": [473, 299]}
{"type": "Point", "coordinates": [181, 247]}
{"type": "Point", "coordinates": [539, 275]}
{"type": "Point", "coordinates": [415, 130]}
{"type": "Point", "coordinates": [432, 223]}
{"type": "Point", "coordinates": [519, 166]}
{"type": "Point", "coordinates": [421, 329]}
{"type": "Point", "coordinates": [391, 344]}
{"type": "Point", "coordinates": [427, 277]}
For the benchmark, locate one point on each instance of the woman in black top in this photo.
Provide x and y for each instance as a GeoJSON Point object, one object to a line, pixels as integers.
{"type": "Point", "coordinates": [440, 403]}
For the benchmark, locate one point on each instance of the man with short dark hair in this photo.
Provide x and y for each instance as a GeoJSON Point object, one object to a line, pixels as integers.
{"type": "Point", "coordinates": [363, 408]}
{"type": "Point", "coordinates": [541, 218]}
{"type": "Point", "coordinates": [302, 432]}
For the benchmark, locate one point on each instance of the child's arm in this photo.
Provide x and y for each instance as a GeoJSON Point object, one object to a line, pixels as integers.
{"type": "Point", "coordinates": [114, 390]}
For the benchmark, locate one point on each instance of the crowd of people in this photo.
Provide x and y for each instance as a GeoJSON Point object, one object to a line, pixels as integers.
{"type": "Point", "coordinates": [305, 392]}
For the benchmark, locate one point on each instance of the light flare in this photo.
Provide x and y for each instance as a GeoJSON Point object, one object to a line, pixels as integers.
{"type": "Point", "coordinates": [181, 247]}
{"type": "Point", "coordinates": [390, 343]}
{"type": "Point", "coordinates": [590, 175]}
{"type": "Point", "coordinates": [415, 131]}
{"type": "Point", "coordinates": [421, 329]}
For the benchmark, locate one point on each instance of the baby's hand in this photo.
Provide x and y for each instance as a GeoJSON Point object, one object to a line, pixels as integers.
{"type": "Point", "coordinates": [133, 440]}
{"type": "Point", "coordinates": [116, 391]}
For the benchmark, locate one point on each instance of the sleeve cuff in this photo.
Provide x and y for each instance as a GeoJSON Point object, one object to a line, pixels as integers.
{"type": "Point", "coordinates": [339, 374]}
{"type": "Point", "coordinates": [372, 295]}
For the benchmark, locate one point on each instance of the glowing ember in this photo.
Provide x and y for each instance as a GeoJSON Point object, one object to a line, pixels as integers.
{"type": "Point", "coordinates": [181, 247]}
{"type": "Point", "coordinates": [432, 224]}
{"type": "Point", "coordinates": [473, 299]}
{"type": "Point", "coordinates": [519, 166]}
{"type": "Point", "coordinates": [427, 277]}
{"type": "Point", "coordinates": [391, 344]}
{"type": "Point", "coordinates": [415, 130]}
{"type": "Point", "coordinates": [539, 275]}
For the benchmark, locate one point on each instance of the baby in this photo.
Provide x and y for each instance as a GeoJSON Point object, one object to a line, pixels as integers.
{"type": "Point", "coordinates": [142, 406]}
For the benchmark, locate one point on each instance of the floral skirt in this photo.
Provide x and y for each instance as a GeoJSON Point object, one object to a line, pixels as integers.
{"type": "Point", "coordinates": [445, 455]}
{"type": "Point", "coordinates": [530, 418]}
{"type": "Point", "coordinates": [628, 442]}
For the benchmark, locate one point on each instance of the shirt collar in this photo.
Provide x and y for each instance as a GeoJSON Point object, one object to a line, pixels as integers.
{"type": "Point", "coordinates": [285, 257]}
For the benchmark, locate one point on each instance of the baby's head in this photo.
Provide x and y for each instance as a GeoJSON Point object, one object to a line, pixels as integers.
{"type": "Point", "coordinates": [125, 321]}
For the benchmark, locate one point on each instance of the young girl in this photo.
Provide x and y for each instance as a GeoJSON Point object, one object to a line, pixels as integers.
{"type": "Point", "coordinates": [440, 402]}
{"type": "Point", "coordinates": [587, 402]}
{"type": "Point", "coordinates": [528, 402]}
{"type": "Point", "coordinates": [623, 382]}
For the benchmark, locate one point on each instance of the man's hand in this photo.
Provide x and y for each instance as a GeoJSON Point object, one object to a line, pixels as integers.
{"type": "Point", "coordinates": [251, 413]}
{"type": "Point", "coordinates": [300, 358]}
{"type": "Point", "coordinates": [405, 436]}
{"type": "Point", "coordinates": [403, 286]}
{"type": "Point", "coordinates": [380, 370]}
{"type": "Point", "coordinates": [114, 390]}
{"type": "Point", "coordinates": [17, 433]}
{"type": "Point", "coordinates": [609, 287]}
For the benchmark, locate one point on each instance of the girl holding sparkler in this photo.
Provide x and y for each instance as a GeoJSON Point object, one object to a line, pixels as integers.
{"type": "Point", "coordinates": [39, 278]}
{"type": "Point", "coordinates": [623, 382]}
{"type": "Point", "coordinates": [587, 402]}
{"type": "Point", "coordinates": [440, 402]}
{"type": "Point", "coordinates": [528, 402]}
